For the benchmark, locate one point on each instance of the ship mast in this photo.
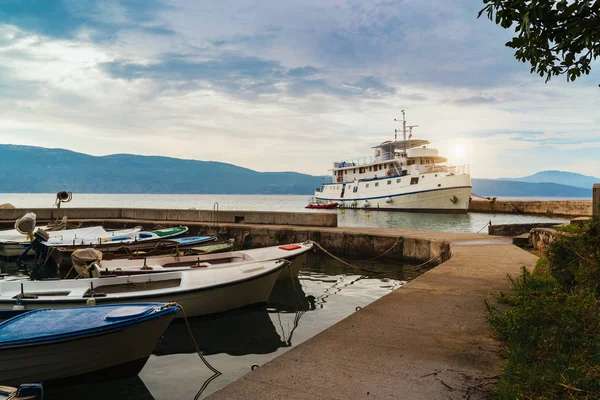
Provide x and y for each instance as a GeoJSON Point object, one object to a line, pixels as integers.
{"type": "Point", "coordinates": [403, 126]}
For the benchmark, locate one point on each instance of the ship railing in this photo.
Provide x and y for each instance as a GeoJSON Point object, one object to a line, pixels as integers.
{"type": "Point", "coordinates": [464, 169]}
{"type": "Point", "coordinates": [357, 162]}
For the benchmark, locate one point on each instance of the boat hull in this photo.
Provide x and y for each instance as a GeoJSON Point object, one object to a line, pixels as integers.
{"type": "Point", "coordinates": [452, 196]}
{"type": "Point", "coordinates": [12, 249]}
{"type": "Point", "coordinates": [195, 302]}
{"type": "Point", "coordinates": [116, 354]}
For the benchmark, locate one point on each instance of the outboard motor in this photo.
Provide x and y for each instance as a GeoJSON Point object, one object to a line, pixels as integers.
{"type": "Point", "coordinates": [46, 266]}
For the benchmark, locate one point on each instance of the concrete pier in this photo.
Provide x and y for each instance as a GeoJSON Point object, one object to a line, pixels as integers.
{"type": "Point", "coordinates": [175, 216]}
{"type": "Point", "coordinates": [559, 208]}
{"type": "Point", "coordinates": [426, 340]}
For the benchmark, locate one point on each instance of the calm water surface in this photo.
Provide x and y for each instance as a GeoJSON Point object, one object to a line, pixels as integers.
{"type": "Point", "coordinates": [472, 222]}
{"type": "Point", "coordinates": [323, 293]}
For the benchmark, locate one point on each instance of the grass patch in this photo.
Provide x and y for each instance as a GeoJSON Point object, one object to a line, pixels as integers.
{"type": "Point", "coordinates": [571, 228]}
{"type": "Point", "coordinates": [552, 329]}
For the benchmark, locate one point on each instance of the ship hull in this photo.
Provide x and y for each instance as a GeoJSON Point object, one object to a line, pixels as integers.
{"type": "Point", "coordinates": [448, 194]}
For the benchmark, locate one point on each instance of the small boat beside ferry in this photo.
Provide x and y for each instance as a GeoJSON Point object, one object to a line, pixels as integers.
{"type": "Point", "coordinates": [313, 203]}
{"type": "Point", "coordinates": [402, 175]}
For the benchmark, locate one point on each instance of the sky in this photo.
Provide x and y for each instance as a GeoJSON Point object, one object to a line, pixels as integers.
{"type": "Point", "coordinates": [286, 85]}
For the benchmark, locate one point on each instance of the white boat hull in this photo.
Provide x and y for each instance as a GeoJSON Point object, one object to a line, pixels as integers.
{"type": "Point", "coordinates": [202, 293]}
{"type": "Point", "coordinates": [110, 355]}
{"type": "Point", "coordinates": [12, 249]}
{"type": "Point", "coordinates": [447, 194]}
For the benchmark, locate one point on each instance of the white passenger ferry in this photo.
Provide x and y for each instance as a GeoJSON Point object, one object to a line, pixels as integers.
{"type": "Point", "coordinates": [402, 175]}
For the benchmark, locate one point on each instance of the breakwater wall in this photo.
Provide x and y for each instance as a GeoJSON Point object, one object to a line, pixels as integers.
{"type": "Point", "coordinates": [174, 216]}
{"type": "Point", "coordinates": [559, 208]}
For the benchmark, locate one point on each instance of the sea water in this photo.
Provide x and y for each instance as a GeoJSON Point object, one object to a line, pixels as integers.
{"type": "Point", "coordinates": [471, 222]}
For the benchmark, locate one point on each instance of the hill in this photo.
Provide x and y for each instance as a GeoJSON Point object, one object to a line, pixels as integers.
{"type": "Point", "coordinates": [559, 177]}
{"type": "Point", "coordinates": [507, 188]}
{"type": "Point", "coordinates": [27, 169]}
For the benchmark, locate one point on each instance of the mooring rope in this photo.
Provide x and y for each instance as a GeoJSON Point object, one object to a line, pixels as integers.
{"type": "Point", "coordinates": [445, 250]}
{"type": "Point", "coordinates": [216, 372]}
{"type": "Point", "coordinates": [341, 260]}
{"type": "Point", "coordinates": [488, 224]}
{"type": "Point", "coordinates": [442, 253]}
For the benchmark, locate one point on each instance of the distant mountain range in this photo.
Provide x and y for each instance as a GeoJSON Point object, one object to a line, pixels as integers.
{"type": "Point", "coordinates": [560, 177]}
{"type": "Point", "coordinates": [27, 169]}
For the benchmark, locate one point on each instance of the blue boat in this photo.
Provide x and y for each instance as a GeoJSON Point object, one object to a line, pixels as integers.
{"type": "Point", "coordinates": [192, 240]}
{"type": "Point", "coordinates": [71, 345]}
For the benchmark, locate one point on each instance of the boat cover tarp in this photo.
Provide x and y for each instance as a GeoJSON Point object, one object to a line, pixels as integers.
{"type": "Point", "coordinates": [90, 234]}
{"type": "Point", "coordinates": [26, 224]}
{"type": "Point", "coordinates": [82, 257]}
{"type": "Point", "coordinates": [49, 325]}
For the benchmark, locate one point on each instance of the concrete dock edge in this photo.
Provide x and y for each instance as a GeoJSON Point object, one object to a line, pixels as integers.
{"type": "Point", "coordinates": [426, 340]}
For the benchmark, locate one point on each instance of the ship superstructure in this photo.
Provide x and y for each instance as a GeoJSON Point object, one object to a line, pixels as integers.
{"type": "Point", "coordinates": [404, 175]}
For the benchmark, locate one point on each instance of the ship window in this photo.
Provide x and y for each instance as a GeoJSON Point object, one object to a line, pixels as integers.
{"type": "Point", "coordinates": [367, 185]}
{"type": "Point", "coordinates": [436, 175]}
{"type": "Point", "coordinates": [380, 167]}
{"type": "Point", "coordinates": [370, 168]}
{"type": "Point", "coordinates": [385, 166]}
{"type": "Point", "coordinates": [354, 171]}
{"type": "Point", "coordinates": [423, 176]}
{"type": "Point", "coordinates": [397, 180]}
{"type": "Point", "coordinates": [389, 182]}
{"type": "Point", "coordinates": [376, 183]}
{"type": "Point", "coordinates": [439, 185]}
{"type": "Point", "coordinates": [346, 172]}
{"type": "Point", "coordinates": [414, 181]}
{"type": "Point", "coordinates": [361, 170]}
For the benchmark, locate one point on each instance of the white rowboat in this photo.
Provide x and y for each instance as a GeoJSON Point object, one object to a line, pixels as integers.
{"type": "Point", "coordinates": [199, 292]}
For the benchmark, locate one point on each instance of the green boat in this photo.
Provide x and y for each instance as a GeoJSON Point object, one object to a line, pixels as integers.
{"type": "Point", "coordinates": [213, 247]}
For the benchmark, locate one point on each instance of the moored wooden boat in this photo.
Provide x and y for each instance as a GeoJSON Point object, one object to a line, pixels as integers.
{"type": "Point", "coordinates": [213, 248]}
{"type": "Point", "coordinates": [13, 243]}
{"type": "Point", "coordinates": [142, 248]}
{"type": "Point", "coordinates": [68, 345]}
{"type": "Point", "coordinates": [197, 262]}
{"type": "Point", "coordinates": [200, 292]}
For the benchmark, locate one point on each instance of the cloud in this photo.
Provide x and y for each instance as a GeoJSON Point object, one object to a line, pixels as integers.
{"type": "Point", "coordinates": [475, 100]}
{"type": "Point", "coordinates": [64, 19]}
{"type": "Point", "coordinates": [299, 79]}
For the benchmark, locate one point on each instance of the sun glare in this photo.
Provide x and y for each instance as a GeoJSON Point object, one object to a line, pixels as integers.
{"type": "Point", "coordinates": [458, 153]}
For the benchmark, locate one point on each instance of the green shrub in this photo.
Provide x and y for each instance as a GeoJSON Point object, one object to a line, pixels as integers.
{"type": "Point", "coordinates": [553, 341]}
{"type": "Point", "coordinates": [552, 329]}
{"type": "Point", "coordinates": [574, 259]}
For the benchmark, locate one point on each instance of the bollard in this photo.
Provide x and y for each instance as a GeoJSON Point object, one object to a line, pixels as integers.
{"type": "Point", "coordinates": [596, 199]}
